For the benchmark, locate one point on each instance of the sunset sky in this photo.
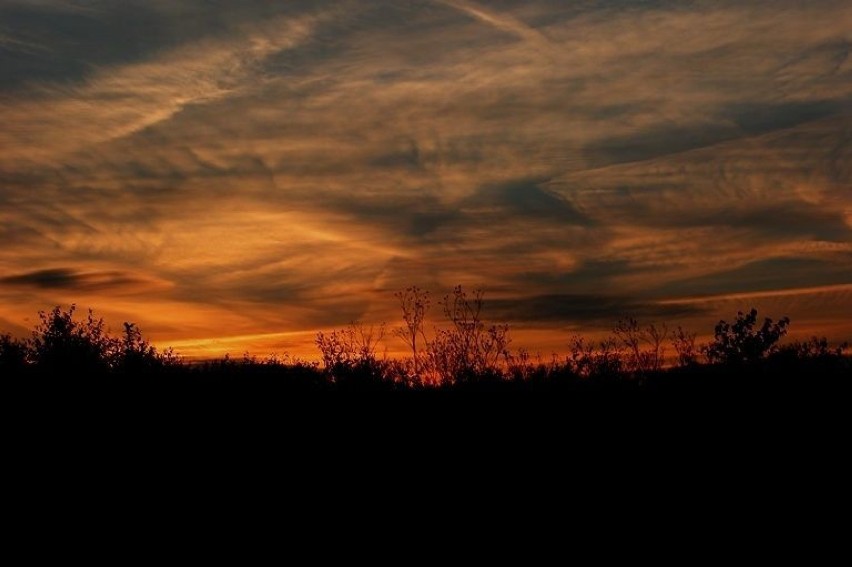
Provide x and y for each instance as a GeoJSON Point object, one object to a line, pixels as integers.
{"type": "Point", "coordinates": [236, 175]}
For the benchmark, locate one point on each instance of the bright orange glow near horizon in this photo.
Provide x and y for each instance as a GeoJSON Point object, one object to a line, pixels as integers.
{"type": "Point", "coordinates": [238, 178]}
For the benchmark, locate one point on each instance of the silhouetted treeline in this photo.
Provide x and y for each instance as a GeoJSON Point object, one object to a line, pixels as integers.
{"type": "Point", "coordinates": [465, 354]}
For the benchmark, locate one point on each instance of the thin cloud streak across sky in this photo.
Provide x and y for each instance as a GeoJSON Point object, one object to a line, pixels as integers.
{"type": "Point", "coordinates": [500, 21]}
{"type": "Point", "coordinates": [242, 174]}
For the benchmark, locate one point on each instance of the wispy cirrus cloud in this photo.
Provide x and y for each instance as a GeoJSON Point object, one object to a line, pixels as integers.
{"type": "Point", "coordinates": [117, 101]}
{"type": "Point", "coordinates": [503, 21]}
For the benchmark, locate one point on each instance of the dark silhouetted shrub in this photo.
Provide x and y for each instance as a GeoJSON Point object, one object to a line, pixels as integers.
{"type": "Point", "coordinates": [742, 341]}
{"type": "Point", "coordinates": [634, 337]}
{"type": "Point", "coordinates": [685, 348]}
{"type": "Point", "coordinates": [468, 348]}
{"type": "Point", "coordinates": [414, 303]}
{"type": "Point", "coordinates": [815, 348]}
{"type": "Point", "coordinates": [60, 343]}
{"type": "Point", "coordinates": [135, 355]}
{"type": "Point", "coordinates": [349, 357]}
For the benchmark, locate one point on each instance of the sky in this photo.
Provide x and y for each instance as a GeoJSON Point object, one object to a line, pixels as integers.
{"type": "Point", "coordinates": [236, 175]}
